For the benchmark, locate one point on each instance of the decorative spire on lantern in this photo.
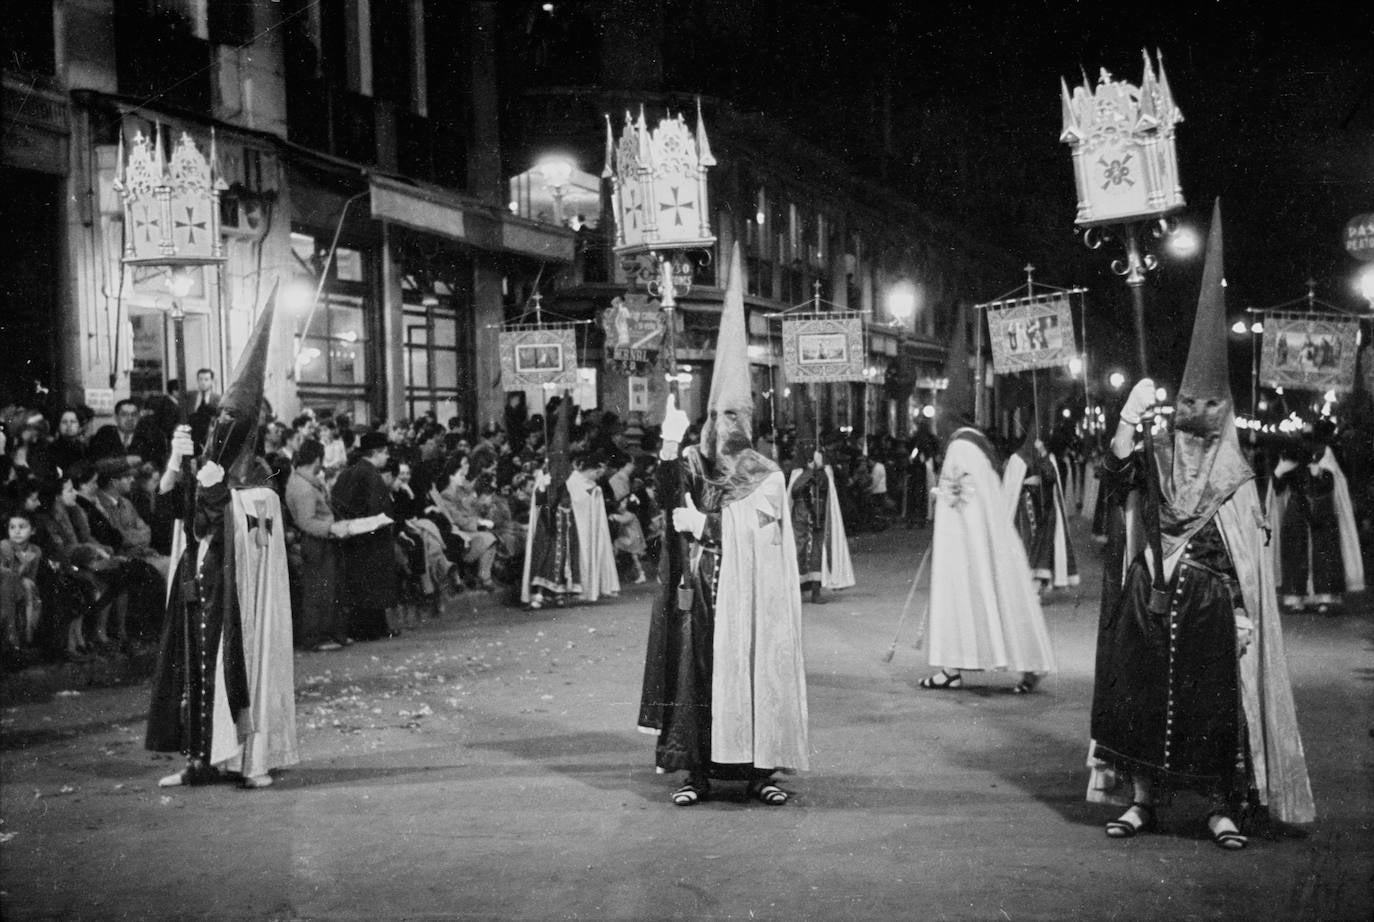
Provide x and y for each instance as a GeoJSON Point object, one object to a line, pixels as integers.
{"type": "Point", "coordinates": [658, 184]}
{"type": "Point", "coordinates": [171, 208]}
{"type": "Point", "coordinates": [1122, 140]}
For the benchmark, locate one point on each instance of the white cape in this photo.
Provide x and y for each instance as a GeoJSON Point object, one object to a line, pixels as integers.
{"type": "Point", "coordinates": [758, 679]}
{"type": "Point", "coordinates": [266, 729]}
{"type": "Point", "coordinates": [596, 554]}
{"type": "Point", "coordinates": [837, 570]}
{"type": "Point", "coordinates": [984, 610]}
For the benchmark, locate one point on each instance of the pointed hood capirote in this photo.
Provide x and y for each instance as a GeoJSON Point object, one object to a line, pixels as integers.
{"type": "Point", "coordinates": [1203, 464]}
{"type": "Point", "coordinates": [560, 464]}
{"type": "Point", "coordinates": [730, 385]}
{"type": "Point", "coordinates": [232, 440]}
{"type": "Point", "coordinates": [956, 401]}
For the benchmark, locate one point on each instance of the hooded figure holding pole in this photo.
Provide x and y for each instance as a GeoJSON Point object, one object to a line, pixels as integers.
{"type": "Point", "coordinates": [223, 689]}
{"type": "Point", "coordinates": [724, 682]}
{"type": "Point", "coordinates": [1191, 689]}
{"type": "Point", "coordinates": [552, 555]}
{"type": "Point", "coordinates": [823, 559]}
{"type": "Point", "coordinates": [984, 610]}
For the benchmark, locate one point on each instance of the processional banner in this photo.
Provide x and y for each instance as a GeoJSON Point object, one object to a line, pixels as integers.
{"type": "Point", "coordinates": [1307, 352]}
{"type": "Point", "coordinates": [534, 356]}
{"type": "Point", "coordinates": [634, 329]}
{"type": "Point", "coordinates": [1031, 333]}
{"type": "Point", "coordinates": [820, 349]}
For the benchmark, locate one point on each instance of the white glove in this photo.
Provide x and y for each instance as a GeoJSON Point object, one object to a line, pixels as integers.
{"type": "Point", "coordinates": [675, 422]}
{"type": "Point", "coordinates": [1284, 466]}
{"type": "Point", "coordinates": [1245, 631]}
{"type": "Point", "coordinates": [182, 445]}
{"type": "Point", "coordinates": [1141, 398]}
{"type": "Point", "coordinates": [542, 480]}
{"type": "Point", "coordinates": [210, 474]}
{"type": "Point", "coordinates": [688, 518]}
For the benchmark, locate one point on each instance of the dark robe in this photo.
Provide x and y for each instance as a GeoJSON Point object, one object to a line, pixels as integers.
{"type": "Point", "coordinates": [1166, 696]}
{"type": "Point", "coordinates": [202, 617]}
{"type": "Point", "coordinates": [1310, 536]}
{"type": "Point", "coordinates": [367, 563]}
{"type": "Point", "coordinates": [810, 501]}
{"type": "Point", "coordinates": [554, 554]}
{"type": "Point", "coordinates": [676, 693]}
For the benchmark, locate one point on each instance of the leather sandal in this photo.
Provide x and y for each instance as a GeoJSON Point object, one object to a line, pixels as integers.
{"type": "Point", "coordinates": [693, 792]}
{"type": "Point", "coordinates": [943, 680]}
{"type": "Point", "coordinates": [1227, 836]}
{"type": "Point", "coordinates": [767, 792]}
{"type": "Point", "coordinates": [1125, 826]}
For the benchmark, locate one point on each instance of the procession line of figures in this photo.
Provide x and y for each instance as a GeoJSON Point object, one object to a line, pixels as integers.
{"type": "Point", "coordinates": [1191, 686]}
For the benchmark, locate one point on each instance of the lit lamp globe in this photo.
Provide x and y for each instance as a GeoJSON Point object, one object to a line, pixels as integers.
{"type": "Point", "coordinates": [1184, 243]}
{"type": "Point", "coordinates": [1364, 284]}
{"type": "Point", "coordinates": [901, 302]}
{"type": "Point", "coordinates": [297, 296]}
{"type": "Point", "coordinates": [1075, 366]}
{"type": "Point", "coordinates": [1116, 379]}
{"type": "Point", "coordinates": [555, 170]}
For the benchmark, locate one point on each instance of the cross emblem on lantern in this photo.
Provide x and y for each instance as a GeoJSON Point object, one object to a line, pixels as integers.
{"type": "Point", "coordinates": [190, 224]}
{"type": "Point", "coordinates": [676, 206]}
{"type": "Point", "coordinates": [143, 222]}
{"type": "Point", "coordinates": [636, 209]}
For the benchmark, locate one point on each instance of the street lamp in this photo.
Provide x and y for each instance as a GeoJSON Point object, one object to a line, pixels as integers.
{"type": "Point", "coordinates": [1116, 379]}
{"type": "Point", "coordinates": [557, 171]}
{"type": "Point", "coordinates": [901, 302]}
{"type": "Point", "coordinates": [1364, 284]}
{"type": "Point", "coordinates": [1184, 242]}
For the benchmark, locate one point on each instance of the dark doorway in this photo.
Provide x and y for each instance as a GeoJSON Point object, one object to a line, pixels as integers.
{"type": "Point", "coordinates": [30, 206]}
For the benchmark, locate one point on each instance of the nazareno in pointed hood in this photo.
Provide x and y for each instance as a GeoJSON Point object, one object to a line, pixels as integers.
{"type": "Point", "coordinates": [730, 385]}
{"type": "Point", "coordinates": [1203, 464]}
{"type": "Point", "coordinates": [956, 401]}
{"type": "Point", "coordinates": [560, 464]}
{"type": "Point", "coordinates": [232, 440]}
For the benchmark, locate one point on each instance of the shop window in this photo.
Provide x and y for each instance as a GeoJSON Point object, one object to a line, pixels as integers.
{"type": "Point", "coordinates": [435, 374]}
{"type": "Point", "coordinates": [334, 348]}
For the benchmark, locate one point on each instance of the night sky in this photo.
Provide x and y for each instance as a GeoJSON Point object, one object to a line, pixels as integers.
{"type": "Point", "coordinates": [1278, 101]}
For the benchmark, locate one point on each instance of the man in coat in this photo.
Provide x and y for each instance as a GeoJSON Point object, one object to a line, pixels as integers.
{"type": "Point", "coordinates": [367, 568]}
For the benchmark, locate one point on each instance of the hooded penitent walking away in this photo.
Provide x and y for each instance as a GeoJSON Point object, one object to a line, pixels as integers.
{"type": "Point", "coordinates": [724, 682]}
{"type": "Point", "coordinates": [1191, 689]}
{"type": "Point", "coordinates": [984, 610]}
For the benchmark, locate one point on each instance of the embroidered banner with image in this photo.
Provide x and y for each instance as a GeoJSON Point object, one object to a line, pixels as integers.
{"type": "Point", "coordinates": [538, 355]}
{"type": "Point", "coordinates": [1031, 334]}
{"type": "Point", "coordinates": [1309, 352]}
{"type": "Point", "coordinates": [820, 349]}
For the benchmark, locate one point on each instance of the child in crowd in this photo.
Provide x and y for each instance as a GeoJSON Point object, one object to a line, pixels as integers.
{"type": "Point", "coordinates": [20, 558]}
{"type": "Point", "coordinates": [629, 538]}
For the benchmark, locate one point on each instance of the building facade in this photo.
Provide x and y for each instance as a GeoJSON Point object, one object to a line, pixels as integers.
{"type": "Point", "coordinates": [380, 162]}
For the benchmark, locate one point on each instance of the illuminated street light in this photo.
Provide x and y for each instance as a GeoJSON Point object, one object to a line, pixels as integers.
{"type": "Point", "coordinates": [297, 297]}
{"type": "Point", "coordinates": [1239, 327]}
{"type": "Point", "coordinates": [1364, 284]}
{"type": "Point", "coordinates": [1184, 243]}
{"type": "Point", "coordinates": [1116, 379]}
{"type": "Point", "coordinates": [1075, 366]}
{"type": "Point", "coordinates": [901, 301]}
{"type": "Point", "coordinates": [557, 171]}
{"type": "Point", "coordinates": [1257, 328]}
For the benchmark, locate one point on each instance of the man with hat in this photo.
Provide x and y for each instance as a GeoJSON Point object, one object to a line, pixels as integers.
{"type": "Point", "coordinates": [984, 610]}
{"type": "Point", "coordinates": [224, 689]}
{"type": "Point", "coordinates": [1191, 689]}
{"type": "Point", "coordinates": [367, 568]}
{"type": "Point", "coordinates": [724, 679]}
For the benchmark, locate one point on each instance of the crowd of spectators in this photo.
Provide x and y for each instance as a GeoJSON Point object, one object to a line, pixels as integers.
{"type": "Point", "coordinates": [383, 524]}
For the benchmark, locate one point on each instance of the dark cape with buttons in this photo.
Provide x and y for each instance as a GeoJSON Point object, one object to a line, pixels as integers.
{"type": "Point", "coordinates": [203, 618]}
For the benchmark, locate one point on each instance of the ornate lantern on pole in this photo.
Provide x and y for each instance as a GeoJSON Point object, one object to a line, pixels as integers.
{"type": "Point", "coordinates": [1125, 168]}
{"type": "Point", "coordinates": [662, 208]}
{"type": "Point", "coordinates": [171, 217]}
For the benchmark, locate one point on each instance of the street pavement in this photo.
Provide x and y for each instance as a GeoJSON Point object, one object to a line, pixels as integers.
{"type": "Point", "coordinates": [486, 766]}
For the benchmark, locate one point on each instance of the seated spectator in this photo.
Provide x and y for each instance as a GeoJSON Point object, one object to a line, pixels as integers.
{"type": "Point", "coordinates": [95, 574]}
{"type": "Point", "coordinates": [20, 559]}
{"type": "Point", "coordinates": [69, 447]}
{"type": "Point", "coordinates": [126, 438]}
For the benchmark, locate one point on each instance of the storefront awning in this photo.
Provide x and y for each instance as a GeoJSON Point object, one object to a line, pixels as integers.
{"type": "Point", "coordinates": [437, 211]}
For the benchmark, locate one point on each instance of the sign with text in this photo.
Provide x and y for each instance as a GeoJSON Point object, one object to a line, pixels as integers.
{"type": "Point", "coordinates": [1359, 236]}
{"type": "Point", "coordinates": [1031, 334]}
{"type": "Point", "coordinates": [634, 333]}
{"type": "Point", "coordinates": [1307, 352]}
{"type": "Point", "coordinates": [821, 349]}
{"type": "Point", "coordinates": [537, 356]}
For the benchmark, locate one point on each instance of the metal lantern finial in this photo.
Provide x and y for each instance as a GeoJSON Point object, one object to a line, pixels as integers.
{"type": "Point", "coordinates": [658, 184]}
{"type": "Point", "coordinates": [171, 206]}
{"type": "Point", "coordinates": [1122, 141]}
